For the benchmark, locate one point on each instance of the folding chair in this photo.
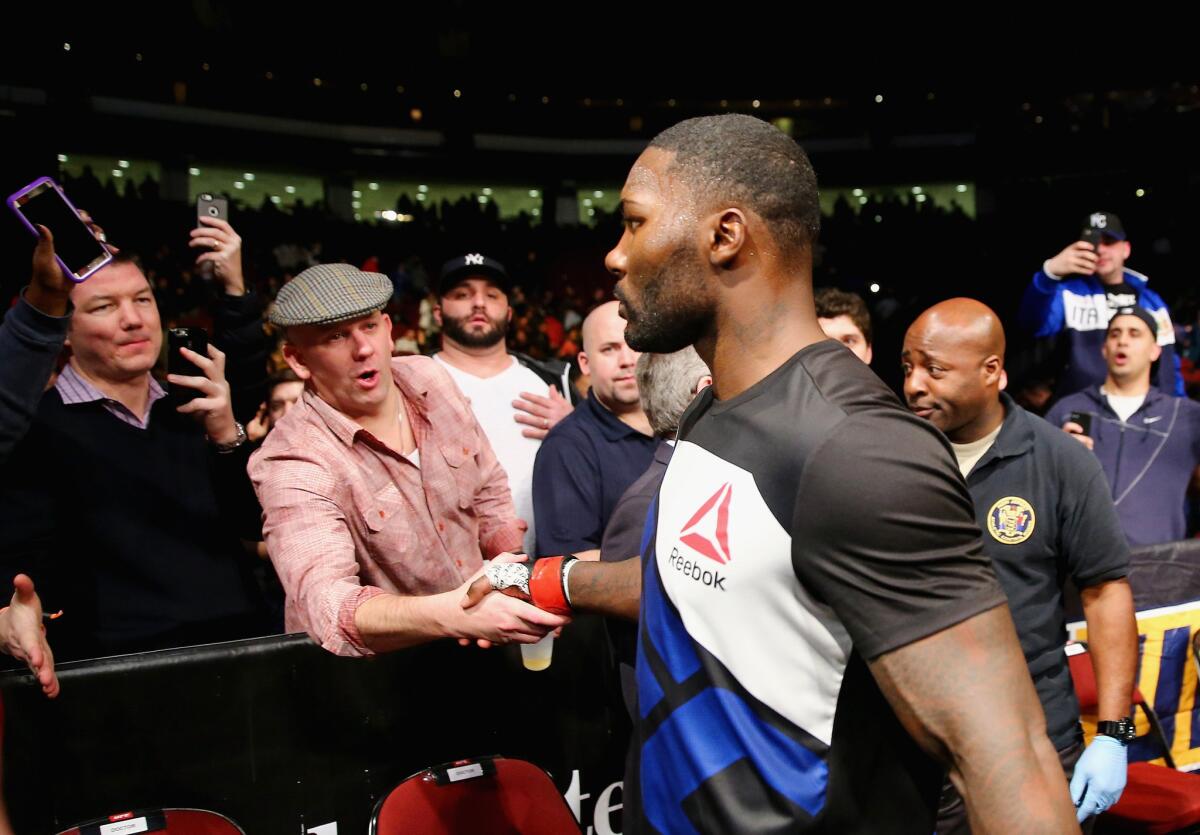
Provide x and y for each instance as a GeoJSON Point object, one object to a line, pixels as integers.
{"type": "Point", "coordinates": [485, 796]}
{"type": "Point", "coordinates": [171, 821]}
{"type": "Point", "coordinates": [1157, 800]}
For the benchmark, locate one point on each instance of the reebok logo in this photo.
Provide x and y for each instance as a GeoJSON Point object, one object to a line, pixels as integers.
{"type": "Point", "coordinates": [704, 576]}
{"type": "Point", "coordinates": [707, 532]}
{"type": "Point", "coordinates": [1152, 420]}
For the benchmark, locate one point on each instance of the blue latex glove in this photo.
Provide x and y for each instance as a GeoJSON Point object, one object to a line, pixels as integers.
{"type": "Point", "coordinates": [1099, 777]}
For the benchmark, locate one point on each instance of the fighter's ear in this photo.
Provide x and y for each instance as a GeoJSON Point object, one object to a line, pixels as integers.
{"type": "Point", "coordinates": [727, 236]}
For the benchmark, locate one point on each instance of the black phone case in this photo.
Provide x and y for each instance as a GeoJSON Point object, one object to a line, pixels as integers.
{"type": "Point", "coordinates": [193, 339]}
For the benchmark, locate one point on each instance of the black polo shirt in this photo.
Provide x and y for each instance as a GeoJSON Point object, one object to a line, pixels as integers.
{"type": "Point", "coordinates": [583, 467]}
{"type": "Point", "coordinates": [1046, 513]}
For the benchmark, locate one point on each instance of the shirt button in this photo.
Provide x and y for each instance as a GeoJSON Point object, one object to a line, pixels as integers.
{"type": "Point", "coordinates": [382, 515]}
{"type": "Point", "coordinates": [441, 527]}
{"type": "Point", "coordinates": [466, 451]}
{"type": "Point", "coordinates": [458, 563]}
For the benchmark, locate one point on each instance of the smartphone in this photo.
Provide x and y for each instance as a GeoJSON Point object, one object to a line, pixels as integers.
{"type": "Point", "coordinates": [1092, 236]}
{"type": "Point", "coordinates": [194, 339]}
{"type": "Point", "coordinates": [1084, 419]}
{"type": "Point", "coordinates": [209, 206]}
{"type": "Point", "coordinates": [78, 251]}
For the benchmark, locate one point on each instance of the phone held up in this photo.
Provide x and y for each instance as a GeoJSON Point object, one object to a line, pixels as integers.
{"type": "Point", "coordinates": [43, 203]}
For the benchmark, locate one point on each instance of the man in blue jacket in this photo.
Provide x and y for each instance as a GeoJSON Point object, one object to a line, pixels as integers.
{"type": "Point", "coordinates": [1078, 290]}
{"type": "Point", "coordinates": [1148, 442]}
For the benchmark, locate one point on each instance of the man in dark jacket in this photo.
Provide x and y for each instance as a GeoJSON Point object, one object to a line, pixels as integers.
{"type": "Point", "coordinates": [1148, 442]}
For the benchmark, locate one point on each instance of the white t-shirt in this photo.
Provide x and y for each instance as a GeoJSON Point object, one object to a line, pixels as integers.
{"type": "Point", "coordinates": [1125, 405]}
{"type": "Point", "coordinates": [491, 401]}
{"type": "Point", "coordinates": [968, 455]}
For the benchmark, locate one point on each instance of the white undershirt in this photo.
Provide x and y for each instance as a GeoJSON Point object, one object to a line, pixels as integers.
{"type": "Point", "coordinates": [968, 455]}
{"type": "Point", "coordinates": [1124, 404]}
{"type": "Point", "coordinates": [415, 457]}
{"type": "Point", "coordinates": [491, 401]}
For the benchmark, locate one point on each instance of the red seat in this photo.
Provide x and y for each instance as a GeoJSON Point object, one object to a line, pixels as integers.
{"type": "Point", "coordinates": [172, 821]}
{"type": "Point", "coordinates": [487, 796]}
{"type": "Point", "coordinates": [1157, 799]}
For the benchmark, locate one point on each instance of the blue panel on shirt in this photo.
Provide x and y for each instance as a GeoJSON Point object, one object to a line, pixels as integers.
{"type": "Point", "coordinates": [661, 624]}
{"type": "Point", "coordinates": [707, 735]}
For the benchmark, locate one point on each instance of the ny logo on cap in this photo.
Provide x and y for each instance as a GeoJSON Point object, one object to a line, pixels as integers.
{"type": "Point", "coordinates": [475, 258]}
{"type": "Point", "coordinates": [1099, 220]}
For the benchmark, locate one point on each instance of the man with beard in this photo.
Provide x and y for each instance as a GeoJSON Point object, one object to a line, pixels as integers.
{"type": "Point", "coordinates": [821, 635]}
{"type": "Point", "coordinates": [473, 312]}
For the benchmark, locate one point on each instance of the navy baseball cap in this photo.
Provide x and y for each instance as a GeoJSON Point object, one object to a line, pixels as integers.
{"type": "Point", "coordinates": [1107, 224]}
{"type": "Point", "coordinates": [472, 264]}
{"type": "Point", "coordinates": [1141, 313]}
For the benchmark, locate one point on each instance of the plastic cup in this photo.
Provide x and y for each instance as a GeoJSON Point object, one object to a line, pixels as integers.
{"type": "Point", "coordinates": [537, 656]}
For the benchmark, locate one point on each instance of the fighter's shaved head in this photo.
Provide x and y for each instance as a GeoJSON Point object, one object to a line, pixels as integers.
{"type": "Point", "coordinates": [752, 163]}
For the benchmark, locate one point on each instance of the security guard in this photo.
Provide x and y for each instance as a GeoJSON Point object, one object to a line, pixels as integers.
{"type": "Point", "coordinates": [1047, 514]}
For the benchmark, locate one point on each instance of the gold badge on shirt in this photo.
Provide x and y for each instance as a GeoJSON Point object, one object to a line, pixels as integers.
{"type": "Point", "coordinates": [1011, 520]}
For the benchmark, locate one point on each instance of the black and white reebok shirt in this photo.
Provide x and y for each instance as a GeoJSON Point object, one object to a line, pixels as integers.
{"type": "Point", "coordinates": [802, 527]}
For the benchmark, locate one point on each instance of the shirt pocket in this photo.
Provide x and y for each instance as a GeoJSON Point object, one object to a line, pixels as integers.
{"type": "Point", "coordinates": [386, 511]}
{"type": "Point", "coordinates": [465, 471]}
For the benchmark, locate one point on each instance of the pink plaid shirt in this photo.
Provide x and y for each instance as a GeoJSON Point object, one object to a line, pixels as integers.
{"type": "Point", "coordinates": [346, 518]}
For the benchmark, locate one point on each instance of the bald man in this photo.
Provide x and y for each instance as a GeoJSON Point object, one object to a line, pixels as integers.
{"type": "Point", "coordinates": [1046, 514]}
{"type": "Point", "coordinates": [590, 458]}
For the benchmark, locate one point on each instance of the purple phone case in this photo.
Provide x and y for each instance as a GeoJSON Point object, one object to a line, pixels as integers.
{"type": "Point", "coordinates": [12, 204]}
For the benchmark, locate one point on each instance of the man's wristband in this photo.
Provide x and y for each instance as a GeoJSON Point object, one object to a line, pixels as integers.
{"type": "Point", "coordinates": [547, 589]}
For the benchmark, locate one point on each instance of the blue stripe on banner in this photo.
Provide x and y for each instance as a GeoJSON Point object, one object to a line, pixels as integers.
{"type": "Point", "coordinates": [711, 732]}
{"type": "Point", "coordinates": [1170, 678]}
{"type": "Point", "coordinates": [1196, 711]}
{"type": "Point", "coordinates": [1144, 748]}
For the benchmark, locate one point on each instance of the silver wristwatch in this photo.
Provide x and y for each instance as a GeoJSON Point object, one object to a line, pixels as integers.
{"type": "Point", "coordinates": [235, 443]}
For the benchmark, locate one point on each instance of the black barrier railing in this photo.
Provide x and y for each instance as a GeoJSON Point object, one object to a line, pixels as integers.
{"type": "Point", "coordinates": [1160, 575]}
{"type": "Point", "coordinates": [283, 737]}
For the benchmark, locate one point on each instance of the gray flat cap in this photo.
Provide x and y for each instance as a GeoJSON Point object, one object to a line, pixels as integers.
{"type": "Point", "coordinates": [329, 293]}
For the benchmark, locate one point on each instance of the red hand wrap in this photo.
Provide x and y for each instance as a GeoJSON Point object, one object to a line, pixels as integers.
{"type": "Point", "coordinates": [546, 586]}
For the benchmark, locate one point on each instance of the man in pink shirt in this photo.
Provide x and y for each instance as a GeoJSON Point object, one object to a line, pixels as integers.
{"type": "Point", "coordinates": [381, 495]}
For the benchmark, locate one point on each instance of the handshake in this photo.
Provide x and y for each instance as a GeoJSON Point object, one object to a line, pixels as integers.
{"type": "Point", "coordinates": [518, 602]}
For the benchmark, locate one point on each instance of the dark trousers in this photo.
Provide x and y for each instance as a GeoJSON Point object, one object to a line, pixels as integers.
{"type": "Point", "coordinates": [952, 812]}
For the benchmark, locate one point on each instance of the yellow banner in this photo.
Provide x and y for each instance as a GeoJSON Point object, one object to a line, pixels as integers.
{"type": "Point", "coordinates": [1167, 678]}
